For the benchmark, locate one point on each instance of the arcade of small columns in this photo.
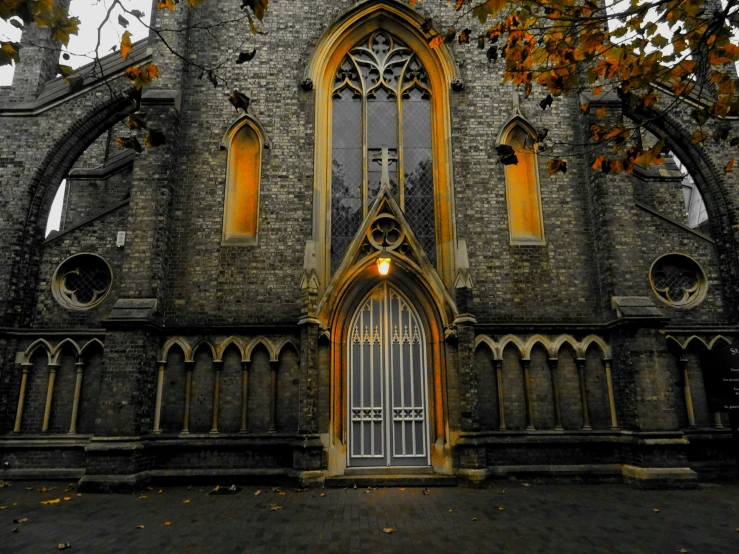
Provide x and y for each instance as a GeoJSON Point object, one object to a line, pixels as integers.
{"type": "Point", "coordinates": [53, 356]}
{"type": "Point", "coordinates": [217, 352]}
{"type": "Point", "coordinates": [680, 351]}
{"type": "Point", "coordinates": [552, 348]}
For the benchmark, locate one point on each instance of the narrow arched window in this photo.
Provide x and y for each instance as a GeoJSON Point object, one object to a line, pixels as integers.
{"type": "Point", "coordinates": [241, 209]}
{"type": "Point", "coordinates": [381, 100]}
{"type": "Point", "coordinates": [525, 221]}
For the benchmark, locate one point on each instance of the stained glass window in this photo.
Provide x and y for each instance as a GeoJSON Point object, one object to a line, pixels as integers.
{"type": "Point", "coordinates": [381, 99]}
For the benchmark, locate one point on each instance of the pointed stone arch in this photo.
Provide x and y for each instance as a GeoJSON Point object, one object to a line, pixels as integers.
{"type": "Point", "coordinates": [401, 21]}
{"type": "Point", "coordinates": [178, 341]}
{"type": "Point", "coordinates": [485, 340]}
{"type": "Point", "coordinates": [264, 341]}
{"type": "Point", "coordinates": [594, 339]}
{"type": "Point", "coordinates": [221, 348]}
{"type": "Point", "coordinates": [283, 344]}
{"type": "Point", "coordinates": [190, 356]}
{"type": "Point", "coordinates": [543, 341]}
{"type": "Point", "coordinates": [715, 340]}
{"type": "Point", "coordinates": [35, 345]}
{"type": "Point", "coordinates": [515, 341]}
{"type": "Point", "coordinates": [60, 347]}
{"type": "Point", "coordinates": [91, 344]}
{"type": "Point", "coordinates": [561, 340]}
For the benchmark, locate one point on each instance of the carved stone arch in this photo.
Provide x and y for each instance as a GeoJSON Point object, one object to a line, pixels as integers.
{"type": "Point", "coordinates": [516, 120]}
{"type": "Point", "coordinates": [539, 339]}
{"type": "Point", "coordinates": [720, 196]}
{"type": "Point", "coordinates": [715, 340]}
{"type": "Point", "coordinates": [61, 156]}
{"type": "Point", "coordinates": [190, 357]}
{"type": "Point", "coordinates": [485, 340]}
{"type": "Point", "coordinates": [561, 340]}
{"type": "Point", "coordinates": [513, 339]}
{"type": "Point", "coordinates": [91, 344]}
{"type": "Point", "coordinates": [285, 343]}
{"type": "Point", "coordinates": [178, 341]}
{"type": "Point", "coordinates": [693, 339]}
{"type": "Point", "coordinates": [264, 341]}
{"type": "Point", "coordinates": [221, 348]}
{"type": "Point", "coordinates": [60, 347]}
{"type": "Point", "coordinates": [401, 21]}
{"type": "Point", "coordinates": [35, 345]}
{"type": "Point", "coordinates": [675, 341]}
{"type": "Point", "coordinates": [594, 339]}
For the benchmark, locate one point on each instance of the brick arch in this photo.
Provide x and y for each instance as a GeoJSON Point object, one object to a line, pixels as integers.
{"type": "Point", "coordinates": [719, 195]}
{"type": "Point", "coordinates": [63, 153]}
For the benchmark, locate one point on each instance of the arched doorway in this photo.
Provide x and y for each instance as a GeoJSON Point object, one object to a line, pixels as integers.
{"type": "Point", "coordinates": [387, 378]}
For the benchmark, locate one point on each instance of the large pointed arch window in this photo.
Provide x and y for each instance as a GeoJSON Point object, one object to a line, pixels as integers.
{"type": "Point", "coordinates": [381, 100]}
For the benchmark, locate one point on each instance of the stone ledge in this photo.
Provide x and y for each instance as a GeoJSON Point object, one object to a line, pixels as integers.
{"type": "Point", "coordinates": [61, 473]}
{"type": "Point", "coordinates": [659, 477]}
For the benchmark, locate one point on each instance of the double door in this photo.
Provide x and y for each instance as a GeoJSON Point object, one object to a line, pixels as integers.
{"type": "Point", "coordinates": [387, 383]}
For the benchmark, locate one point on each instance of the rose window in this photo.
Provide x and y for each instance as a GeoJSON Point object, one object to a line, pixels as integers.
{"type": "Point", "coordinates": [82, 282]}
{"type": "Point", "coordinates": [678, 280]}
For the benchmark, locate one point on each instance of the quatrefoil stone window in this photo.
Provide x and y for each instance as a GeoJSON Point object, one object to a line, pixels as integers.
{"type": "Point", "coordinates": [82, 281]}
{"type": "Point", "coordinates": [678, 280]}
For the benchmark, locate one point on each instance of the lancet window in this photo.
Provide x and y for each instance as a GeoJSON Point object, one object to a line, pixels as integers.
{"type": "Point", "coordinates": [381, 99]}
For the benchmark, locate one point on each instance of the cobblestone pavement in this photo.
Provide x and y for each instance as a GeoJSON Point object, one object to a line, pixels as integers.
{"type": "Point", "coordinates": [536, 518]}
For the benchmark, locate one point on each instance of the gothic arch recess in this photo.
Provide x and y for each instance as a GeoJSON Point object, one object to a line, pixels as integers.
{"type": "Point", "coordinates": [721, 201]}
{"type": "Point", "coordinates": [47, 178]}
{"type": "Point", "coordinates": [355, 25]}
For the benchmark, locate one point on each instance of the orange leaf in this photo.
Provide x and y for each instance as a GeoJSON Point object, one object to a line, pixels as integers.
{"type": "Point", "coordinates": [169, 4]}
{"type": "Point", "coordinates": [600, 113]}
{"type": "Point", "coordinates": [698, 136]}
{"type": "Point", "coordinates": [460, 3]}
{"type": "Point", "coordinates": [598, 163]}
{"type": "Point", "coordinates": [126, 44]}
{"type": "Point", "coordinates": [729, 165]}
{"type": "Point", "coordinates": [436, 41]}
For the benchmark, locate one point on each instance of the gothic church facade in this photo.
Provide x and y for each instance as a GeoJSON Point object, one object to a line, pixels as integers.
{"type": "Point", "coordinates": [343, 281]}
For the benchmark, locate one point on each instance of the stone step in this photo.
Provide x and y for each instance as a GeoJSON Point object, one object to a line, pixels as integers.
{"type": "Point", "coordinates": [394, 470]}
{"type": "Point", "coordinates": [391, 480]}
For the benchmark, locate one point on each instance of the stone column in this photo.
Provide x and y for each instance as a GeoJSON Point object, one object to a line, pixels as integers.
{"type": "Point", "coordinates": [53, 368]}
{"type": "Point", "coordinates": [501, 396]}
{"type": "Point", "coordinates": [583, 394]}
{"type": "Point", "coordinates": [22, 396]}
{"type": "Point", "coordinates": [217, 365]}
{"type": "Point", "coordinates": [468, 378]}
{"type": "Point", "coordinates": [245, 364]}
{"type": "Point", "coordinates": [189, 367]}
{"type": "Point", "coordinates": [80, 365]}
{"type": "Point", "coordinates": [611, 396]}
{"type": "Point", "coordinates": [273, 366]}
{"type": "Point", "coordinates": [525, 366]}
{"type": "Point", "coordinates": [555, 395]}
{"type": "Point", "coordinates": [160, 390]}
{"type": "Point", "coordinates": [683, 365]}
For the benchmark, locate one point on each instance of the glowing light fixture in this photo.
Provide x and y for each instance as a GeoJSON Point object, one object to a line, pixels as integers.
{"type": "Point", "coordinates": [383, 266]}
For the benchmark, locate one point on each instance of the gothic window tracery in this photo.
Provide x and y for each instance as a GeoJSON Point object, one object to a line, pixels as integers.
{"type": "Point", "coordinates": [381, 99]}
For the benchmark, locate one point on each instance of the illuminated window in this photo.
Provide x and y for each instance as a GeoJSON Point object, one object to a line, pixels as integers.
{"type": "Point", "coordinates": [241, 210]}
{"type": "Point", "coordinates": [522, 189]}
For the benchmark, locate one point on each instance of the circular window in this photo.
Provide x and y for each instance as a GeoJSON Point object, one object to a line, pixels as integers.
{"type": "Point", "coordinates": [678, 280]}
{"type": "Point", "coordinates": [82, 281]}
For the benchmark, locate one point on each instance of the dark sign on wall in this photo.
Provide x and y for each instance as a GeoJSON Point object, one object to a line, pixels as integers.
{"type": "Point", "coordinates": [721, 378]}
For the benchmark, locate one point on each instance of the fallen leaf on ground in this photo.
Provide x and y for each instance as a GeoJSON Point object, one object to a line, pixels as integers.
{"type": "Point", "coordinates": [160, 491]}
{"type": "Point", "coordinates": [388, 530]}
{"type": "Point", "coordinates": [143, 496]}
{"type": "Point", "coordinates": [450, 511]}
{"type": "Point", "coordinates": [218, 487]}
{"type": "Point", "coordinates": [29, 488]}
{"type": "Point", "coordinates": [367, 491]}
{"type": "Point", "coordinates": [167, 523]}
{"type": "Point", "coordinates": [500, 508]}
{"type": "Point", "coordinates": [3, 507]}
{"type": "Point", "coordinates": [323, 494]}
{"type": "Point", "coordinates": [140, 527]}
{"type": "Point", "coordinates": [401, 490]}
{"type": "Point", "coordinates": [79, 494]}
{"type": "Point", "coordinates": [44, 489]}
{"type": "Point", "coordinates": [526, 485]}
{"type": "Point", "coordinates": [21, 520]}
{"type": "Point", "coordinates": [67, 498]}
{"type": "Point", "coordinates": [231, 488]}
{"type": "Point", "coordinates": [186, 501]}
{"type": "Point", "coordinates": [275, 507]}
{"type": "Point", "coordinates": [15, 530]}
{"type": "Point", "coordinates": [54, 501]}
{"type": "Point", "coordinates": [682, 550]}
{"type": "Point", "coordinates": [63, 545]}
{"type": "Point", "coordinates": [276, 489]}
{"type": "Point", "coordinates": [66, 490]}
{"type": "Point", "coordinates": [281, 493]}
{"type": "Point", "coordinates": [656, 510]}
{"type": "Point", "coordinates": [426, 492]}
{"type": "Point", "coordinates": [257, 493]}
{"type": "Point", "coordinates": [474, 519]}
